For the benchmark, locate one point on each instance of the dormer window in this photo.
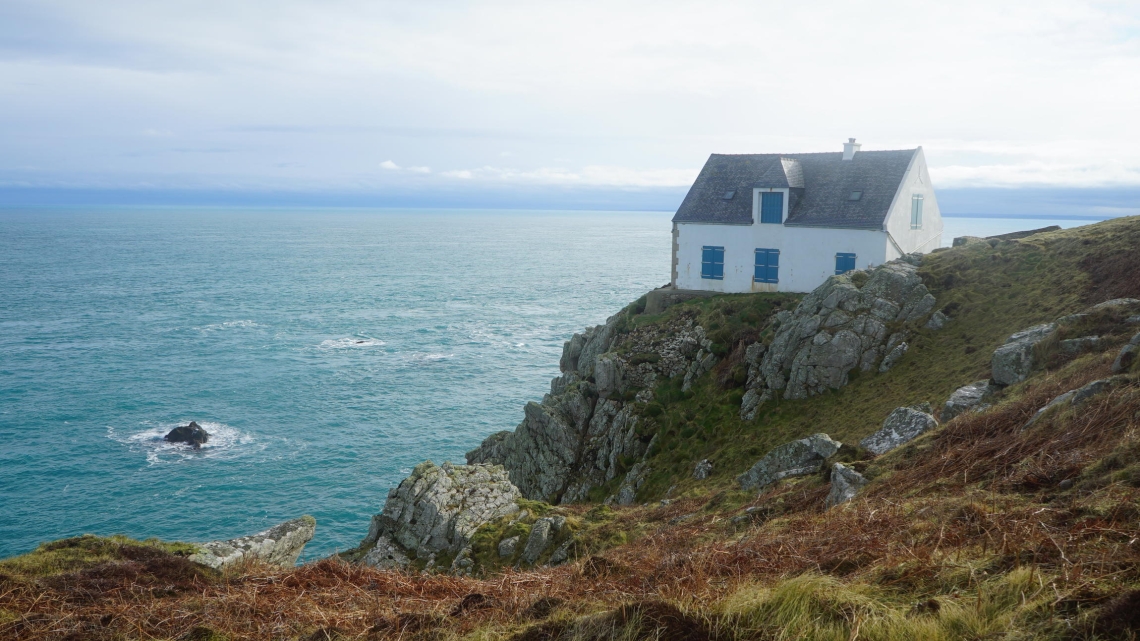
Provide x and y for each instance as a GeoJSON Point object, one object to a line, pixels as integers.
{"type": "Point", "coordinates": [729, 194]}
{"type": "Point", "coordinates": [855, 195]}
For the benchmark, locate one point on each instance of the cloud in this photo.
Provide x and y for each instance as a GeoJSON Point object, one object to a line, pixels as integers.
{"type": "Point", "coordinates": [591, 176]}
{"type": "Point", "coordinates": [1020, 92]}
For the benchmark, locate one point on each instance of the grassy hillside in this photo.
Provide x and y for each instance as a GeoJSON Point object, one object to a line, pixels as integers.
{"type": "Point", "coordinates": [980, 529]}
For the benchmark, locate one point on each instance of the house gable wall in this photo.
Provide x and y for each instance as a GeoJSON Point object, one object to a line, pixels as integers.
{"type": "Point", "coordinates": [929, 237]}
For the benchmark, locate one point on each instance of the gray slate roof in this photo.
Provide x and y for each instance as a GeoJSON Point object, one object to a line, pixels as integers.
{"type": "Point", "coordinates": [826, 180]}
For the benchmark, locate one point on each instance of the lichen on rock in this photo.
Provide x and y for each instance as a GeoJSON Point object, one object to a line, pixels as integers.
{"type": "Point", "coordinates": [436, 511]}
{"type": "Point", "coordinates": [797, 458]}
{"type": "Point", "coordinates": [844, 324]}
{"type": "Point", "coordinates": [279, 545]}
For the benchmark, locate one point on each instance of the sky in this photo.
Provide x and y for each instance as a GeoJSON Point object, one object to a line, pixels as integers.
{"type": "Point", "coordinates": [559, 102]}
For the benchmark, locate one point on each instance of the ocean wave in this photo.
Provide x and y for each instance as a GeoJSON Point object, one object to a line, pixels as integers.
{"type": "Point", "coordinates": [347, 343]}
{"type": "Point", "coordinates": [238, 324]}
{"type": "Point", "coordinates": [431, 357]}
{"type": "Point", "coordinates": [225, 442]}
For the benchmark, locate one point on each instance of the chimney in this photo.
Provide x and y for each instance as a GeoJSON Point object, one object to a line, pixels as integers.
{"type": "Point", "coordinates": [849, 148]}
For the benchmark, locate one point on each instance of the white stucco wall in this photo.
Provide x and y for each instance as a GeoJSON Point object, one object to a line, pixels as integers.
{"type": "Point", "coordinates": [929, 237]}
{"type": "Point", "coordinates": [807, 254]}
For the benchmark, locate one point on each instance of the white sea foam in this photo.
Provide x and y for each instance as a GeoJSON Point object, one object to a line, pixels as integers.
{"type": "Point", "coordinates": [238, 324]}
{"type": "Point", "coordinates": [353, 342]}
{"type": "Point", "coordinates": [428, 358]}
{"type": "Point", "coordinates": [225, 442]}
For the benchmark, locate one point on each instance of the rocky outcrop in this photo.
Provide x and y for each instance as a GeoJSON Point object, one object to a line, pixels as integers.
{"type": "Point", "coordinates": [542, 535]}
{"type": "Point", "coordinates": [279, 545]}
{"type": "Point", "coordinates": [435, 511]}
{"type": "Point", "coordinates": [901, 426]}
{"type": "Point", "coordinates": [584, 431]}
{"type": "Point", "coordinates": [1080, 344]}
{"type": "Point", "coordinates": [191, 434]}
{"type": "Point", "coordinates": [967, 398]}
{"type": "Point", "coordinates": [798, 458]}
{"type": "Point", "coordinates": [844, 324]}
{"type": "Point", "coordinates": [1014, 360]}
{"type": "Point", "coordinates": [845, 484]}
{"type": "Point", "coordinates": [1078, 396]}
{"type": "Point", "coordinates": [702, 470]}
{"type": "Point", "coordinates": [1127, 356]}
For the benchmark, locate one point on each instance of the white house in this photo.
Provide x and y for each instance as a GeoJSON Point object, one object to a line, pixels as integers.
{"type": "Point", "coordinates": [785, 222]}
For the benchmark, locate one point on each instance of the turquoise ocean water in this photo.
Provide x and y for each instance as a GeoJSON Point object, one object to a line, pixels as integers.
{"type": "Point", "coordinates": [327, 352]}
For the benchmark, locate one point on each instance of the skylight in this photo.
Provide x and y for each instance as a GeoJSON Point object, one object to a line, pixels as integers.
{"type": "Point", "coordinates": [855, 195]}
{"type": "Point", "coordinates": [729, 194]}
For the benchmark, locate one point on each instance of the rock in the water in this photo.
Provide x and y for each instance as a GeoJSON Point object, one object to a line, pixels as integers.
{"type": "Point", "coordinates": [1127, 356]}
{"type": "Point", "coordinates": [436, 510]}
{"type": "Point", "coordinates": [845, 484]}
{"type": "Point", "coordinates": [508, 546]}
{"type": "Point", "coordinates": [279, 545]}
{"type": "Point", "coordinates": [1013, 361]}
{"type": "Point", "coordinates": [702, 470]}
{"type": "Point", "coordinates": [902, 425]}
{"type": "Point", "coordinates": [967, 398]}
{"type": "Point", "coordinates": [542, 534]}
{"type": "Point", "coordinates": [191, 434]}
{"type": "Point", "coordinates": [798, 458]}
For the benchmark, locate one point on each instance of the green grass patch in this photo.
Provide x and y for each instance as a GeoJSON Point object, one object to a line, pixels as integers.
{"type": "Point", "coordinates": [76, 553]}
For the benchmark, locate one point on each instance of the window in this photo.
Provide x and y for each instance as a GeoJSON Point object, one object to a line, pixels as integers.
{"type": "Point", "coordinates": [855, 195]}
{"type": "Point", "coordinates": [844, 263]}
{"type": "Point", "coordinates": [772, 207]}
{"type": "Point", "coordinates": [729, 194]}
{"type": "Point", "coordinates": [712, 262]}
{"type": "Point", "coordinates": [767, 266]}
{"type": "Point", "coordinates": [916, 211]}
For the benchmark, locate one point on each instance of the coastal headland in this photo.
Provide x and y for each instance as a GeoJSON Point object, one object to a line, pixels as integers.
{"type": "Point", "coordinates": [946, 446]}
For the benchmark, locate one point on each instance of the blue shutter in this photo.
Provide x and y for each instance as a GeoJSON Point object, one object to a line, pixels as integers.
{"type": "Point", "coordinates": [772, 207]}
{"type": "Point", "coordinates": [712, 263]}
{"type": "Point", "coordinates": [844, 263]}
{"type": "Point", "coordinates": [767, 266]}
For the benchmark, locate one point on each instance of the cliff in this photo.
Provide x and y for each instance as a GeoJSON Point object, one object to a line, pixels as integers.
{"type": "Point", "coordinates": [943, 447]}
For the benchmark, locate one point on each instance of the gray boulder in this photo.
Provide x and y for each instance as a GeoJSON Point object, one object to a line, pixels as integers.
{"type": "Point", "coordinates": [937, 321]}
{"type": "Point", "coordinates": [1127, 356]}
{"type": "Point", "coordinates": [893, 357]}
{"type": "Point", "coordinates": [436, 510]}
{"type": "Point", "coordinates": [508, 546]}
{"type": "Point", "coordinates": [1078, 396]}
{"type": "Point", "coordinates": [798, 458]}
{"type": "Point", "coordinates": [702, 470]}
{"type": "Point", "coordinates": [1116, 303]}
{"type": "Point", "coordinates": [279, 545]}
{"type": "Point", "coordinates": [1081, 344]}
{"type": "Point", "coordinates": [542, 534]}
{"type": "Point", "coordinates": [845, 484]}
{"type": "Point", "coordinates": [901, 426]}
{"type": "Point", "coordinates": [1013, 361]}
{"type": "Point", "coordinates": [966, 398]}
{"type": "Point", "coordinates": [562, 553]}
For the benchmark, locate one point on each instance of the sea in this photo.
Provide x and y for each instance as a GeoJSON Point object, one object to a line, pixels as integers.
{"type": "Point", "coordinates": [326, 351]}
